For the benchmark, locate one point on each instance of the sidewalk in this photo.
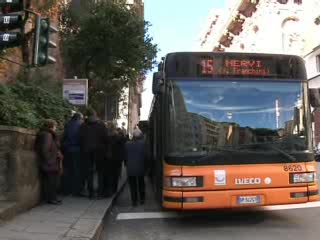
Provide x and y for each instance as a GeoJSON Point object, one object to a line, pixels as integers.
{"type": "Point", "coordinates": [75, 219]}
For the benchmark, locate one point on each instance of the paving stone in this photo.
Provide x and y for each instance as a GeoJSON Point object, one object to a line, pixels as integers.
{"type": "Point", "coordinates": [75, 238]}
{"type": "Point", "coordinates": [6, 234]}
{"type": "Point", "coordinates": [16, 227]}
{"type": "Point", "coordinates": [49, 228]}
{"type": "Point", "coordinates": [75, 219]}
{"type": "Point", "coordinates": [84, 228]}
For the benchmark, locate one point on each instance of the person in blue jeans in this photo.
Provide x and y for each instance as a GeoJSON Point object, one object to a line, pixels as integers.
{"type": "Point", "coordinates": [71, 180]}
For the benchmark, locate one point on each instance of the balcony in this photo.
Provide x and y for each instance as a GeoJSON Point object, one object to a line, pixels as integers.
{"type": "Point", "coordinates": [219, 49]}
{"type": "Point", "coordinates": [248, 7]}
{"type": "Point", "coordinates": [235, 27]}
{"type": "Point", "coordinates": [226, 39]}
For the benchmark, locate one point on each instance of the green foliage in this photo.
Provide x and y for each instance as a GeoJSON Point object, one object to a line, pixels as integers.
{"type": "Point", "coordinates": [48, 4]}
{"type": "Point", "coordinates": [25, 105]}
{"type": "Point", "coordinates": [109, 44]}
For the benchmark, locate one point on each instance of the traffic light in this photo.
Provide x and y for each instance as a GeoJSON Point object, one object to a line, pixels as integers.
{"type": "Point", "coordinates": [11, 18]}
{"type": "Point", "coordinates": [42, 43]}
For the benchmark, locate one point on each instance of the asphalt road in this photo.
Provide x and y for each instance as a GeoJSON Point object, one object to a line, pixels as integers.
{"type": "Point", "coordinates": [149, 222]}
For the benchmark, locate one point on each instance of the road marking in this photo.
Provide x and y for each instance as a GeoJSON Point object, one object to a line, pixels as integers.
{"type": "Point", "coordinates": [146, 215]}
{"type": "Point", "coordinates": [291, 206]}
{"type": "Point", "coordinates": [157, 215]}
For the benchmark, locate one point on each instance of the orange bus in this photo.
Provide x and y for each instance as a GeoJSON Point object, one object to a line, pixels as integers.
{"type": "Point", "coordinates": [230, 130]}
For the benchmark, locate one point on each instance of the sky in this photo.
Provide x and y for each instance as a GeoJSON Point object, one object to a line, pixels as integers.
{"type": "Point", "coordinates": [175, 27]}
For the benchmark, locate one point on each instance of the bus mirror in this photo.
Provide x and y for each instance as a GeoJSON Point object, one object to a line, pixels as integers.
{"type": "Point", "coordinates": [314, 96]}
{"type": "Point", "coordinates": [160, 66]}
{"type": "Point", "coordinates": [156, 83]}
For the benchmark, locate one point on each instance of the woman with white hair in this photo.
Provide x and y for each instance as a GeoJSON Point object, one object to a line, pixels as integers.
{"type": "Point", "coordinates": [135, 163]}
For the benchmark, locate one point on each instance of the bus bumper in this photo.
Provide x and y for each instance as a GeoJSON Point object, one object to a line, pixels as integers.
{"type": "Point", "coordinates": [230, 198]}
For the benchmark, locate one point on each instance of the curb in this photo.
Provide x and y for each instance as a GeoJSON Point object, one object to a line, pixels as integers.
{"type": "Point", "coordinates": [90, 227]}
{"type": "Point", "coordinates": [100, 228]}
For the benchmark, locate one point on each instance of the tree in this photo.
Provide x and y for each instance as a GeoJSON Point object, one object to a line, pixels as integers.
{"type": "Point", "coordinates": [110, 46]}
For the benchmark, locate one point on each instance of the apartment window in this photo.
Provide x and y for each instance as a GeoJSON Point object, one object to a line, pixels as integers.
{"type": "Point", "coordinates": [318, 62]}
{"type": "Point", "coordinates": [283, 1]}
{"type": "Point", "coordinates": [298, 1]}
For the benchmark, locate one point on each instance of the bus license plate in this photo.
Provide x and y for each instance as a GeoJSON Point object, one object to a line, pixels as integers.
{"type": "Point", "coordinates": [249, 199]}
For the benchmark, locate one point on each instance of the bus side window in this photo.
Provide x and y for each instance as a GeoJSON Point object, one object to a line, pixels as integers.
{"type": "Point", "coordinates": [170, 119]}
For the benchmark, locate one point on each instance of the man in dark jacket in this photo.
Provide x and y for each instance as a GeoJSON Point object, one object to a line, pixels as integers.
{"type": "Point", "coordinates": [135, 163]}
{"type": "Point", "coordinates": [118, 156]}
{"type": "Point", "coordinates": [93, 140]}
{"type": "Point", "coordinates": [71, 149]}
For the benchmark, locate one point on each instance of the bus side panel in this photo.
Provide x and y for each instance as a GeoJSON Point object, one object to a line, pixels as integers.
{"type": "Point", "coordinates": [313, 188]}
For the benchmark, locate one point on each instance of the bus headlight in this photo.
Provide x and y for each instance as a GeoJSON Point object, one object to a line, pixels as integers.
{"type": "Point", "coordinates": [309, 177]}
{"type": "Point", "coordinates": [183, 181]}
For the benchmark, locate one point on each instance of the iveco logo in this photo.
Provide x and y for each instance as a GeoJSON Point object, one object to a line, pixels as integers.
{"type": "Point", "coordinates": [247, 181]}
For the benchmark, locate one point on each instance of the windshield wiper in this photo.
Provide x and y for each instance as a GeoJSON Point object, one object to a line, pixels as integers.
{"type": "Point", "coordinates": [221, 153]}
{"type": "Point", "coordinates": [268, 145]}
{"type": "Point", "coordinates": [285, 154]}
{"type": "Point", "coordinates": [218, 153]}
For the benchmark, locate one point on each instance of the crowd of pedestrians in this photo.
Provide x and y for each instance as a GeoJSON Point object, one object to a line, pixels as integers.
{"type": "Point", "coordinates": [89, 153]}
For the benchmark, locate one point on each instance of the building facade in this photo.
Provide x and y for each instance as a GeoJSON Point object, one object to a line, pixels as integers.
{"type": "Point", "coordinates": [313, 69]}
{"type": "Point", "coordinates": [131, 101]}
{"type": "Point", "coordinates": [268, 26]}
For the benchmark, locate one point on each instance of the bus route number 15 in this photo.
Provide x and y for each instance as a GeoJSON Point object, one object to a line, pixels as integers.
{"type": "Point", "coordinates": [207, 67]}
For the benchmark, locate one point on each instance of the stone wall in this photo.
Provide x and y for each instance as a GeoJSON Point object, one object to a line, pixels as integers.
{"type": "Point", "coordinates": [19, 175]}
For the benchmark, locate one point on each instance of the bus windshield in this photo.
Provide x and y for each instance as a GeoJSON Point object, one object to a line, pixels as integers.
{"type": "Point", "coordinates": [234, 122]}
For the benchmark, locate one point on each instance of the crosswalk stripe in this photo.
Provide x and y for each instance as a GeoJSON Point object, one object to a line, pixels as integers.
{"type": "Point", "coordinates": [159, 215]}
{"type": "Point", "coordinates": [146, 215]}
{"type": "Point", "coordinates": [292, 206]}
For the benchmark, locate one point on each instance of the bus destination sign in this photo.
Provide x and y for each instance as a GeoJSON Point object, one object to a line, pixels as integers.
{"type": "Point", "coordinates": [235, 67]}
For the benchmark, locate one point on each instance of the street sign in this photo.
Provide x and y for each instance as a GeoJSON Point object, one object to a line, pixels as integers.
{"type": "Point", "coordinates": [11, 18]}
{"type": "Point", "coordinates": [10, 39]}
{"type": "Point", "coordinates": [75, 91]}
{"type": "Point", "coordinates": [8, 22]}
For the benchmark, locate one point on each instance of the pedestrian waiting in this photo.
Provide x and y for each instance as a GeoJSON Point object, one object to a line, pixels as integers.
{"type": "Point", "coordinates": [135, 163]}
{"type": "Point", "coordinates": [50, 160]}
{"type": "Point", "coordinates": [71, 181]}
{"type": "Point", "coordinates": [93, 139]}
{"type": "Point", "coordinates": [118, 156]}
{"type": "Point", "coordinates": [109, 163]}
